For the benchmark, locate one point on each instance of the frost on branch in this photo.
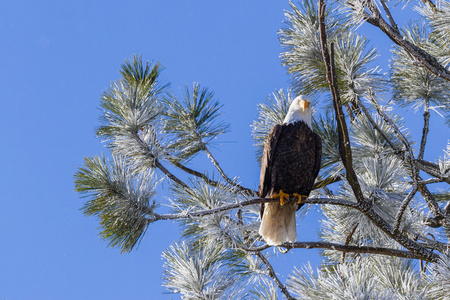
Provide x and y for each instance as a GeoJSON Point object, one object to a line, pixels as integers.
{"type": "Point", "coordinates": [199, 274]}
{"type": "Point", "coordinates": [225, 228]}
{"type": "Point", "coordinates": [376, 277]}
{"type": "Point", "coordinates": [439, 279]}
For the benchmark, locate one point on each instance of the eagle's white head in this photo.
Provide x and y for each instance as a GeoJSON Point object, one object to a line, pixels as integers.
{"type": "Point", "coordinates": [300, 110]}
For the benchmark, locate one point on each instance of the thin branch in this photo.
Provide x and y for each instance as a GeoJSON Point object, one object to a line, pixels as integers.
{"type": "Point", "coordinates": [402, 239]}
{"type": "Point", "coordinates": [402, 208]}
{"type": "Point", "coordinates": [354, 249]}
{"type": "Point", "coordinates": [157, 164]}
{"type": "Point", "coordinates": [274, 276]}
{"type": "Point", "coordinates": [389, 15]}
{"type": "Point", "coordinates": [431, 169]}
{"type": "Point", "coordinates": [222, 173]}
{"type": "Point", "coordinates": [169, 174]}
{"type": "Point", "coordinates": [396, 131]}
{"type": "Point", "coordinates": [431, 201]}
{"type": "Point", "coordinates": [421, 56]}
{"type": "Point", "coordinates": [375, 125]}
{"type": "Point", "coordinates": [208, 180]}
{"type": "Point", "coordinates": [428, 181]}
{"type": "Point", "coordinates": [426, 125]}
{"type": "Point", "coordinates": [347, 241]}
{"type": "Point", "coordinates": [344, 140]}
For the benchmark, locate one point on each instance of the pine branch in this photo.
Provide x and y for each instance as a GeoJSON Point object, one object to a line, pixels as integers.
{"type": "Point", "coordinates": [345, 151]}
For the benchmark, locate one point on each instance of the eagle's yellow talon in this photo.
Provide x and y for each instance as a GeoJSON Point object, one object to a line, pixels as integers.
{"type": "Point", "coordinates": [299, 197]}
{"type": "Point", "coordinates": [282, 195]}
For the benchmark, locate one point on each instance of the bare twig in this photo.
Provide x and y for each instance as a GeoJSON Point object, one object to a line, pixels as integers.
{"type": "Point", "coordinates": [431, 180]}
{"type": "Point", "coordinates": [431, 169]}
{"type": "Point", "coordinates": [274, 276]}
{"type": "Point", "coordinates": [375, 125]}
{"type": "Point", "coordinates": [222, 173]}
{"type": "Point", "coordinates": [347, 241]}
{"type": "Point", "coordinates": [416, 248]}
{"type": "Point", "coordinates": [354, 249]}
{"type": "Point", "coordinates": [169, 174]}
{"type": "Point", "coordinates": [426, 125]}
{"type": "Point", "coordinates": [344, 140]}
{"type": "Point", "coordinates": [208, 180]}
{"type": "Point", "coordinates": [155, 217]}
{"type": "Point", "coordinates": [402, 208]}
{"type": "Point", "coordinates": [389, 15]}
{"type": "Point", "coordinates": [144, 147]}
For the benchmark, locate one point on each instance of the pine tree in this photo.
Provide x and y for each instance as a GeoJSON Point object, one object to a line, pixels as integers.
{"type": "Point", "coordinates": [385, 223]}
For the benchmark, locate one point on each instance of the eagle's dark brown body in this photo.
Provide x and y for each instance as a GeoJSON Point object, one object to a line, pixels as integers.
{"type": "Point", "coordinates": [290, 162]}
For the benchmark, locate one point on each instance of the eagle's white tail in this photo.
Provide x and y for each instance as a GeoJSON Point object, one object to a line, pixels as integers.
{"type": "Point", "coordinates": [278, 223]}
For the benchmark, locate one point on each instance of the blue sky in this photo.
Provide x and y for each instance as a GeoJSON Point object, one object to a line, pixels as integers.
{"type": "Point", "coordinates": [56, 59]}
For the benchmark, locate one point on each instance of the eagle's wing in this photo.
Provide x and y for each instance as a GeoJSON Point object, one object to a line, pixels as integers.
{"type": "Point", "coordinates": [266, 162]}
{"type": "Point", "coordinates": [318, 155]}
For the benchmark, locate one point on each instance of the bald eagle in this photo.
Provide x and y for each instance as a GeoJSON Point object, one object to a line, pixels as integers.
{"type": "Point", "coordinates": [289, 166]}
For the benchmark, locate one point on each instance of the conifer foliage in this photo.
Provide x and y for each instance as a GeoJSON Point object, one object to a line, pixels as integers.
{"type": "Point", "coordinates": [385, 209]}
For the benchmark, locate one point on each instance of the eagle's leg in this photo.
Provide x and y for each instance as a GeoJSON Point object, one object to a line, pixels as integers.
{"type": "Point", "coordinates": [299, 197]}
{"type": "Point", "coordinates": [282, 195]}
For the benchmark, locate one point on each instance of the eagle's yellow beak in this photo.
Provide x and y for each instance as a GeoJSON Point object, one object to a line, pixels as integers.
{"type": "Point", "coordinates": [304, 104]}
